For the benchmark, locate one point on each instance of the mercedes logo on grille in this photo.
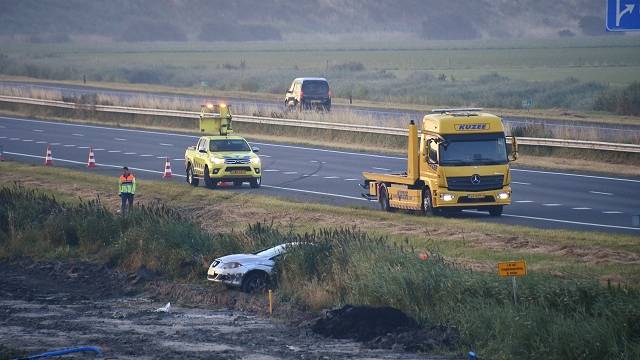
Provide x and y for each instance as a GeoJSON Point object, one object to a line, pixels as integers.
{"type": "Point", "coordinates": [475, 179]}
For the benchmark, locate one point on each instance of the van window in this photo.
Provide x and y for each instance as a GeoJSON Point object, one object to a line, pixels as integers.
{"type": "Point", "coordinates": [315, 87]}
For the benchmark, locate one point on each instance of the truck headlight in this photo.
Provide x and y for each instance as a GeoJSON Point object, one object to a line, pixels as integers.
{"type": "Point", "coordinates": [255, 160]}
{"type": "Point", "coordinates": [217, 161]}
{"type": "Point", "coordinates": [447, 197]}
{"type": "Point", "coordinates": [503, 196]}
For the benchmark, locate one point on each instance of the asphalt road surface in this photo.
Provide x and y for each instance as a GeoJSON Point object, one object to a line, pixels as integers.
{"type": "Point", "coordinates": [381, 115]}
{"type": "Point", "coordinates": [541, 199]}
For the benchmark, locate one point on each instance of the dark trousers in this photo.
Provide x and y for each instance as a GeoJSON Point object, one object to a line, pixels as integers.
{"type": "Point", "coordinates": [126, 197]}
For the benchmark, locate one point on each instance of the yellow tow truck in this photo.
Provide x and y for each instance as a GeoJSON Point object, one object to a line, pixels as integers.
{"type": "Point", "coordinates": [460, 160]}
{"type": "Point", "coordinates": [221, 156]}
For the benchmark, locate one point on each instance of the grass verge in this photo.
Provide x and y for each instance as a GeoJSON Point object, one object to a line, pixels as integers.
{"type": "Point", "coordinates": [554, 318]}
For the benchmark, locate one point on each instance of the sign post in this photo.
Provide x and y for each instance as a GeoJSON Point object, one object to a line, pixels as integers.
{"type": "Point", "coordinates": [513, 269]}
{"type": "Point", "coordinates": [623, 15]}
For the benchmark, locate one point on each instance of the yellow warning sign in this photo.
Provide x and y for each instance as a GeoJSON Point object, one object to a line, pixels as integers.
{"type": "Point", "coordinates": [512, 268]}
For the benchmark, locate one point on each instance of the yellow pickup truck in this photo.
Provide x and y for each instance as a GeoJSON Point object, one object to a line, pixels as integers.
{"type": "Point", "coordinates": [221, 157]}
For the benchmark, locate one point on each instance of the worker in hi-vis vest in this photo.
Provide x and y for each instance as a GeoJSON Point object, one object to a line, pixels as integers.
{"type": "Point", "coordinates": [127, 189]}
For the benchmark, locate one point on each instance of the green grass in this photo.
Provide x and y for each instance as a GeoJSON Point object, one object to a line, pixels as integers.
{"type": "Point", "coordinates": [553, 318]}
{"type": "Point", "coordinates": [393, 73]}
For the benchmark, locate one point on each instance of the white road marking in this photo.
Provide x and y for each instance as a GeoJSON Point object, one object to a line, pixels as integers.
{"type": "Point", "coordinates": [38, 130]}
{"type": "Point", "coordinates": [581, 208]}
{"type": "Point", "coordinates": [601, 193]}
{"type": "Point", "coordinates": [161, 157]}
{"type": "Point", "coordinates": [2, 127]}
{"type": "Point", "coordinates": [146, 155]}
{"type": "Point", "coordinates": [315, 161]}
{"type": "Point", "coordinates": [314, 192]}
{"type": "Point", "coordinates": [27, 140]}
{"type": "Point", "coordinates": [351, 179]}
{"type": "Point", "coordinates": [41, 142]}
{"type": "Point", "coordinates": [552, 204]}
{"type": "Point", "coordinates": [83, 147]}
{"type": "Point", "coordinates": [612, 212]}
{"type": "Point", "coordinates": [98, 149]}
{"type": "Point", "coordinates": [315, 175]}
{"type": "Point", "coordinates": [524, 201]}
{"type": "Point", "coordinates": [113, 151]}
{"type": "Point", "coordinates": [572, 222]}
{"type": "Point", "coordinates": [54, 144]}
{"type": "Point", "coordinates": [166, 144]}
{"type": "Point", "coordinates": [331, 177]}
{"type": "Point", "coordinates": [69, 145]}
{"type": "Point", "coordinates": [3, 137]}
{"type": "Point", "coordinates": [129, 153]}
{"type": "Point", "coordinates": [381, 169]}
{"type": "Point", "coordinates": [270, 170]}
{"type": "Point", "coordinates": [265, 156]}
{"type": "Point", "coordinates": [290, 172]}
{"type": "Point", "coordinates": [77, 134]}
{"type": "Point", "coordinates": [179, 159]}
{"type": "Point", "coordinates": [119, 139]}
{"type": "Point", "coordinates": [577, 175]}
{"type": "Point", "coordinates": [14, 139]}
{"type": "Point", "coordinates": [520, 183]}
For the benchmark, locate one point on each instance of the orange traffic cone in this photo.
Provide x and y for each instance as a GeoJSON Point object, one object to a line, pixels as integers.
{"type": "Point", "coordinates": [48, 160]}
{"type": "Point", "coordinates": [167, 169]}
{"type": "Point", "coordinates": [92, 160]}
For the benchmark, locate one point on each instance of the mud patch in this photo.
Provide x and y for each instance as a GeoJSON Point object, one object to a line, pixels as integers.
{"type": "Point", "coordinates": [383, 328]}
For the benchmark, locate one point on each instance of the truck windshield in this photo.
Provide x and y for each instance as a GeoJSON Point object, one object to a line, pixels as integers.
{"type": "Point", "coordinates": [464, 150]}
{"type": "Point", "coordinates": [228, 145]}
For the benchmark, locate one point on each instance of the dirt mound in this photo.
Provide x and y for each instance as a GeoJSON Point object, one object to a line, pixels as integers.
{"type": "Point", "coordinates": [363, 323]}
{"type": "Point", "coordinates": [383, 328]}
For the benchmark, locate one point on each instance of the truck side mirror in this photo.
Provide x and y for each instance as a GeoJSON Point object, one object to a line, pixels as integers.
{"type": "Point", "coordinates": [202, 151]}
{"type": "Point", "coordinates": [512, 148]}
{"type": "Point", "coordinates": [432, 155]}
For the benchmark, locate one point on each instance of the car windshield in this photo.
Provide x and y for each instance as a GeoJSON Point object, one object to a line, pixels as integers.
{"type": "Point", "coordinates": [315, 87]}
{"type": "Point", "coordinates": [229, 145]}
{"type": "Point", "coordinates": [480, 150]}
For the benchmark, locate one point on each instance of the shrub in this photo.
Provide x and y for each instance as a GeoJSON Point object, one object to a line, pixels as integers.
{"type": "Point", "coordinates": [620, 101]}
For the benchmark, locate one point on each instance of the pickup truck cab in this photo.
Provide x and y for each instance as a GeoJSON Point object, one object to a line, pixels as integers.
{"type": "Point", "coordinates": [221, 156]}
{"type": "Point", "coordinates": [216, 159]}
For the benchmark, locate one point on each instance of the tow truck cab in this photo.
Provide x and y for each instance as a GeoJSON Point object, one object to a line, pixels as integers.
{"type": "Point", "coordinates": [460, 160]}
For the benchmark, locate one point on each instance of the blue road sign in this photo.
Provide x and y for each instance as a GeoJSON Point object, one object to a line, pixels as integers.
{"type": "Point", "coordinates": [623, 15]}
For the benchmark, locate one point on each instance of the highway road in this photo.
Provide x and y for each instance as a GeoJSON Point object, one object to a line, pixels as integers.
{"type": "Point", "coordinates": [542, 199]}
{"type": "Point", "coordinates": [381, 117]}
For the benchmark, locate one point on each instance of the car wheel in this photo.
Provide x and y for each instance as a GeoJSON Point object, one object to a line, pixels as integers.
{"type": "Point", "coordinates": [255, 182]}
{"type": "Point", "coordinates": [190, 178]}
{"type": "Point", "coordinates": [208, 182]}
{"type": "Point", "coordinates": [254, 282]}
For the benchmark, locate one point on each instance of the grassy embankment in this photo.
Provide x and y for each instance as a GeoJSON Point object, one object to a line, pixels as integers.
{"type": "Point", "coordinates": [362, 256]}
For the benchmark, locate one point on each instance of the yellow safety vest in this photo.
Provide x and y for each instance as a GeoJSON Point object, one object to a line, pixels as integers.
{"type": "Point", "coordinates": [127, 184]}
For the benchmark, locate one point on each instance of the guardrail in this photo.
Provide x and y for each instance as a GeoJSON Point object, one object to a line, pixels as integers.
{"type": "Point", "coordinates": [563, 143]}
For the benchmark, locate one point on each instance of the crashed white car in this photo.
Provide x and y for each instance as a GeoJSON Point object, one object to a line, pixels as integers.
{"type": "Point", "coordinates": [249, 272]}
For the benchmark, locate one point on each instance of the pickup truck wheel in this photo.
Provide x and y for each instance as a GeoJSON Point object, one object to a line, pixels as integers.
{"type": "Point", "coordinates": [496, 211]}
{"type": "Point", "coordinates": [190, 178]}
{"type": "Point", "coordinates": [254, 281]}
{"type": "Point", "coordinates": [255, 182]}
{"type": "Point", "coordinates": [208, 182]}
{"type": "Point", "coordinates": [384, 200]}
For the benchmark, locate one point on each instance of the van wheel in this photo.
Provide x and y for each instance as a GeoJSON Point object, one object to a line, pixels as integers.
{"type": "Point", "coordinates": [496, 211]}
{"type": "Point", "coordinates": [255, 182]}
{"type": "Point", "coordinates": [384, 200]}
{"type": "Point", "coordinates": [191, 179]}
{"type": "Point", "coordinates": [208, 182]}
{"type": "Point", "coordinates": [427, 205]}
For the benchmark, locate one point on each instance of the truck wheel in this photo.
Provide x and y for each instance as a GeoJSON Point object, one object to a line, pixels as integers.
{"type": "Point", "coordinates": [496, 211]}
{"type": "Point", "coordinates": [190, 178]}
{"type": "Point", "coordinates": [208, 182]}
{"type": "Point", "coordinates": [254, 281]}
{"type": "Point", "coordinates": [255, 182]}
{"type": "Point", "coordinates": [427, 205]}
{"type": "Point", "coordinates": [384, 200]}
